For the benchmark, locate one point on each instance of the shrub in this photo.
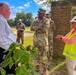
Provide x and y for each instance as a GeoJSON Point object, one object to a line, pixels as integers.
{"type": "Point", "coordinates": [23, 57]}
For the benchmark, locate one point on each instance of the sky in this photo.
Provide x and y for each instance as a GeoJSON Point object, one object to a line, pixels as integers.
{"type": "Point", "coordinates": [25, 6]}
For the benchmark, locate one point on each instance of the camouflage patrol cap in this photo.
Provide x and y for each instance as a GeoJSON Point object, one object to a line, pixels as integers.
{"type": "Point", "coordinates": [20, 20]}
{"type": "Point", "coordinates": [47, 13]}
{"type": "Point", "coordinates": [42, 10]}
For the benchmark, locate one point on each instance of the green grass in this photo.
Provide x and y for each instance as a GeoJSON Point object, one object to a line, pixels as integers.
{"type": "Point", "coordinates": [56, 60]}
{"type": "Point", "coordinates": [58, 66]}
{"type": "Point", "coordinates": [26, 29]}
{"type": "Point", "coordinates": [13, 28]}
{"type": "Point", "coordinates": [28, 41]}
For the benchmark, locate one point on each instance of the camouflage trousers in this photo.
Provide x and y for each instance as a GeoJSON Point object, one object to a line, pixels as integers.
{"type": "Point", "coordinates": [42, 59]}
{"type": "Point", "coordinates": [20, 37]}
{"type": "Point", "coordinates": [50, 40]}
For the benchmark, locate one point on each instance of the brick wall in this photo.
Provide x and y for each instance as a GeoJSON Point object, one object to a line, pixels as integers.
{"type": "Point", "coordinates": [61, 15]}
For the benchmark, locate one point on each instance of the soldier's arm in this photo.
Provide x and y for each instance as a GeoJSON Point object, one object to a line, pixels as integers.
{"type": "Point", "coordinates": [17, 26]}
{"type": "Point", "coordinates": [33, 26]}
{"type": "Point", "coordinates": [46, 25]}
{"type": "Point", "coordinates": [24, 26]}
{"type": "Point", "coordinates": [53, 25]}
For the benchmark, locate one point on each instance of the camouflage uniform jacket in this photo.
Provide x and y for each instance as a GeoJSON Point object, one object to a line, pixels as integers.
{"type": "Point", "coordinates": [41, 32]}
{"type": "Point", "coordinates": [50, 37]}
{"type": "Point", "coordinates": [20, 27]}
{"type": "Point", "coordinates": [52, 28]}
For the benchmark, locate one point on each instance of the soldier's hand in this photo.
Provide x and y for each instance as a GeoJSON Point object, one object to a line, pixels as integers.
{"type": "Point", "coordinates": [39, 27]}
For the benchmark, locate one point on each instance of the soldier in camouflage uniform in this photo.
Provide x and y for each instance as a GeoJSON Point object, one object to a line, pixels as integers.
{"type": "Point", "coordinates": [50, 36]}
{"type": "Point", "coordinates": [20, 31]}
{"type": "Point", "coordinates": [41, 25]}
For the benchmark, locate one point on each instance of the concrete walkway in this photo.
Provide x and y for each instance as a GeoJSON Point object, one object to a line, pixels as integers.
{"type": "Point", "coordinates": [25, 34]}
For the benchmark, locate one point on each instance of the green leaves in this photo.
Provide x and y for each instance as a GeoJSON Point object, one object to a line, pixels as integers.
{"type": "Point", "coordinates": [22, 70]}
{"type": "Point", "coordinates": [8, 61]}
{"type": "Point", "coordinates": [18, 54]}
{"type": "Point", "coordinates": [25, 57]}
{"type": "Point", "coordinates": [2, 71]}
{"type": "Point", "coordinates": [13, 46]}
{"type": "Point", "coordinates": [29, 48]}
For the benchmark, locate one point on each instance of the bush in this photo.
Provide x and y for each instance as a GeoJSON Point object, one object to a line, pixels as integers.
{"type": "Point", "coordinates": [23, 57]}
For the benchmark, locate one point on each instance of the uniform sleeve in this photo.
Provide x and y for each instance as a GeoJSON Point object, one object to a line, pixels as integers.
{"type": "Point", "coordinates": [23, 27]}
{"type": "Point", "coordinates": [46, 26]}
{"type": "Point", "coordinates": [42, 26]}
{"type": "Point", "coordinates": [17, 26]}
{"type": "Point", "coordinates": [33, 26]}
{"type": "Point", "coordinates": [69, 40]}
{"type": "Point", "coordinates": [53, 26]}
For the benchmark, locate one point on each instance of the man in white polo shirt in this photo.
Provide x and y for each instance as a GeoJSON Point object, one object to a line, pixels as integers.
{"type": "Point", "coordinates": [7, 36]}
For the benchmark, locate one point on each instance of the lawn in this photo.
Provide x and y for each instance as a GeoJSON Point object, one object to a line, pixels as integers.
{"type": "Point", "coordinates": [26, 29]}
{"type": "Point", "coordinates": [28, 40]}
{"type": "Point", "coordinates": [55, 63]}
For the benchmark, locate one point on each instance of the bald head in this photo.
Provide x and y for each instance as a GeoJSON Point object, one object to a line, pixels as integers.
{"type": "Point", "coordinates": [2, 4]}
{"type": "Point", "coordinates": [4, 9]}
